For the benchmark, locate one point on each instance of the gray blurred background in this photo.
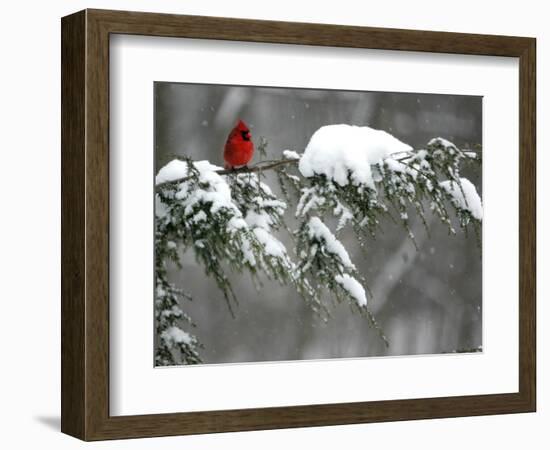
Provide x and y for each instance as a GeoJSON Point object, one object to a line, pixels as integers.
{"type": "Point", "coordinates": [426, 301]}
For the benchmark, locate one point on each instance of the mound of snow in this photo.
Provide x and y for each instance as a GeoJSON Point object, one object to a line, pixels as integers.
{"type": "Point", "coordinates": [339, 151]}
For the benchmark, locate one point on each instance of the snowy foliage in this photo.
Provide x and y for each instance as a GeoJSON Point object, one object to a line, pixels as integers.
{"type": "Point", "coordinates": [465, 196]}
{"type": "Point", "coordinates": [353, 287]}
{"type": "Point", "coordinates": [231, 221]}
{"type": "Point", "coordinates": [169, 316]}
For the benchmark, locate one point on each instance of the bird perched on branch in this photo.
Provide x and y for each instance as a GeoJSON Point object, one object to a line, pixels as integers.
{"type": "Point", "coordinates": [239, 148]}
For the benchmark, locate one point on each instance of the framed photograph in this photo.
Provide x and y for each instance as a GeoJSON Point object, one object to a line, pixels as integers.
{"type": "Point", "coordinates": [270, 224]}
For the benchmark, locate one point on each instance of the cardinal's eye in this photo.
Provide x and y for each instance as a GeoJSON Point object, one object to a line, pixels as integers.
{"type": "Point", "coordinates": [245, 134]}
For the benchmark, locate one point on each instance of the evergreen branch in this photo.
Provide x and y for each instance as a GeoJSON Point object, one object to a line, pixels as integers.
{"type": "Point", "coordinates": [265, 165]}
{"type": "Point", "coordinates": [231, 222]}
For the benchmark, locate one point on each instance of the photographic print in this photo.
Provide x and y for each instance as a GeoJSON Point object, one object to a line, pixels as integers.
{"type": "Point", "coordinates": [298, 224]}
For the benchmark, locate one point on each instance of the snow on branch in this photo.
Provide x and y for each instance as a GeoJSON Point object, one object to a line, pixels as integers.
{"type": "Point", "coordinates": [368, 173]}
{"type": "Point", "coordinates": [325, 261]}
{"type": "Point", "coordinates": [464, 196]}
{"type": "Point", "coordinates": [353, 288]}
{"type": "Point", "coordinates": [323, 244]}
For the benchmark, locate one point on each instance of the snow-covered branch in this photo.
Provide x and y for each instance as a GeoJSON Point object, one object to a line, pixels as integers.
{"type": "Point", "coordinates": [231, 219]}
{"type": "Point", "coordinates": [259, 167]}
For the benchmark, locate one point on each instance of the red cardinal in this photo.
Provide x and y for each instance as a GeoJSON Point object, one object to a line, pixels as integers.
{"type": "Point", "coordinates": [239, 147]}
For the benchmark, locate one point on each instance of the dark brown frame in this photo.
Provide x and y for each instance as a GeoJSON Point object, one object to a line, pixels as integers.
{"type": "Point", "coordinates": [85, 224]}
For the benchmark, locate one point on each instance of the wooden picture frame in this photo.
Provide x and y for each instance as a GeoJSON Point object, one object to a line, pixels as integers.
{"type": "Point", "coordinates": [85, 224]}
